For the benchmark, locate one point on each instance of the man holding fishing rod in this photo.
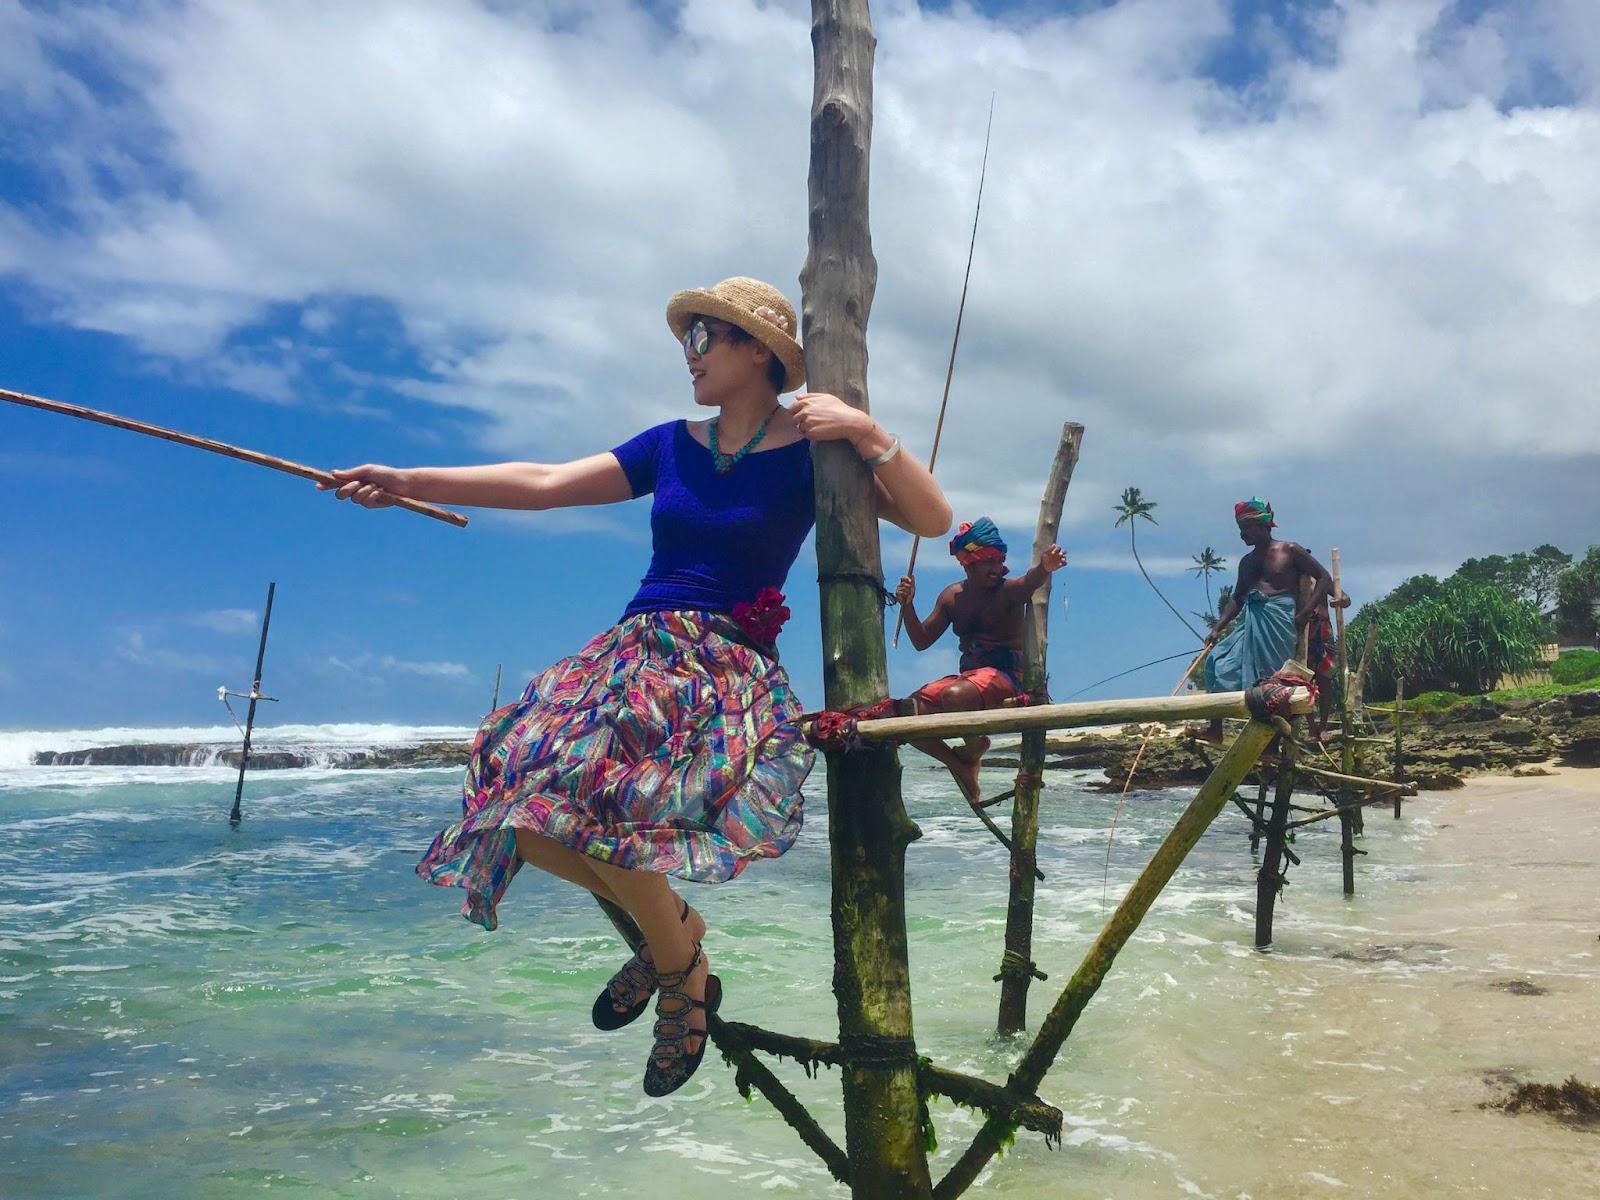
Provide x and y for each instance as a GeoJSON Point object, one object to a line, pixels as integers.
{"type": "Point", "coordinates": [986, 611]}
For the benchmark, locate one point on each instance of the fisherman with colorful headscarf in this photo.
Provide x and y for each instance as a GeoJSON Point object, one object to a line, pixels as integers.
{"type": "Point", "coordinates": [985, 608]}
{"type": "Point", "coordinates": [1270, 601]}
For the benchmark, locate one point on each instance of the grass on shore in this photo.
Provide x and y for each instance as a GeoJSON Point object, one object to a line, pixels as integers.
{"type": "Point", "coordinates": [1434, 702]}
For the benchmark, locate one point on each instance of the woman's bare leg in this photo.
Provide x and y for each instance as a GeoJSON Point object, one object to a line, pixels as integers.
{"type": "Point", "coordinates": [652, 903]}
{"type": "Point", "coordinates": [561, 861]}
{"type": "Point", "coordinates": [566, 863]}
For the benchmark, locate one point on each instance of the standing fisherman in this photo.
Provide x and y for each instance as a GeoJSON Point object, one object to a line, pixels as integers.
{"type": "Point", "coordinates": [1267, 600]}
{"type": "Point", "coordinates": [669, 745]}
{"type": "Point", "coordinates": [986, 611]}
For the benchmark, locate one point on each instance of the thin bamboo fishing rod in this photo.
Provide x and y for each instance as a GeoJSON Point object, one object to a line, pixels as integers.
{"type": "Point", "coordinates": [1154, 662]}
{"type": "Point", "coordinates": [201, 443]}
{"type": "Point", "coordinates": [950, 367]}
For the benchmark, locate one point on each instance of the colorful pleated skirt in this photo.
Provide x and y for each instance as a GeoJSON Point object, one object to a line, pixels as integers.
{"type": "Point", "coordinates": [668, 743]}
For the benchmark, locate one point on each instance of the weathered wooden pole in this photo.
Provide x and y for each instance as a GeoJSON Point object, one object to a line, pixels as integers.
{"type": "Point", "coordinates": [1269, 876]}
{"type": "Point", "coordinates": [255, 695]}
{"type": "Point", "coordinates": [1016, 964]}
{"type": "Point", "coordinates": [495, 703]}
{"type": "Point", "coordinates": [868, 829]}
{"type": "Point", "coordinates": [1058, 1024]}
{"type": "Point", "coordinates": [1347, 746]}
{"type": "Point", "coordinates": [1399, 763]}
{"type": "Point", "coordinates": [1260, 815]}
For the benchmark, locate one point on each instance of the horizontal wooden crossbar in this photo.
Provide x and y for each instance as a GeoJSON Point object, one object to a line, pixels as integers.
{"type": "Point", "coordinates": [1204, 706]}
{"type": "Point", "coordinates": [1029, 1112]}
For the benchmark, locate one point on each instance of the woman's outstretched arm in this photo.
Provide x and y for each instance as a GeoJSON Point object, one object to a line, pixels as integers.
{"type": "Point", "coordinates": [598, 479]}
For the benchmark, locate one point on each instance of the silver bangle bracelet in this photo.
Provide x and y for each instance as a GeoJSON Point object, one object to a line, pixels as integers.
{"type": "Point", "coordinates": [878, 460]}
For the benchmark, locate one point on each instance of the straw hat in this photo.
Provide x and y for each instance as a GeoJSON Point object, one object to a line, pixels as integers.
{"type": "Point", "coordinates": [755, 307]}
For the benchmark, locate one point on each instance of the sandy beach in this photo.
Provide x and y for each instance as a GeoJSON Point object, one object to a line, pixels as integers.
{"type": "Point", "coordinates": [1483, 968]}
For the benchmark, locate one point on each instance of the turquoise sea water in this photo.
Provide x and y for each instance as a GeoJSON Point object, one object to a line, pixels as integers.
{"type": "Point", "coordinates": [188, 1009]}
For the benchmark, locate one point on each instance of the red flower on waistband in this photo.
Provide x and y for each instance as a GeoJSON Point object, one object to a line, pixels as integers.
{"type": "Point", "coordinates": [762, 618]}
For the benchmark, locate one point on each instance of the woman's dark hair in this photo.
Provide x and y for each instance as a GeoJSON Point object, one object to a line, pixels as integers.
{"type": "Point", "coordinates": [776, 371]}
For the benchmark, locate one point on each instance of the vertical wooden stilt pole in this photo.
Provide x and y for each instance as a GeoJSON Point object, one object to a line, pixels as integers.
{"type": "Point", "coordinates": [1267, 878]}
{"type": "Point", "coordinates": [495, 703]}
{"type": "Point", "coordinates": [1261, 814]}
{"type": "Point", "coordinates": [1399, 758]}
{"type": "Point", "coordinates": [1063, 1016]}
{"type": "Point", "coordinates": [868, 829]}
{"type": "Point", "coordinates": [250, 718]}
{"type": "Point", "coordinates": [1016, 965]}
{"type": "Point", "coordinates": [1347, 735]}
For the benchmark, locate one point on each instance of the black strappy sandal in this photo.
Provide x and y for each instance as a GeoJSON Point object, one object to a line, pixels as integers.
{"type": "Point", "coordinates": [636, 978]}
{"type": "Point", "coordinates": [673, 1030]}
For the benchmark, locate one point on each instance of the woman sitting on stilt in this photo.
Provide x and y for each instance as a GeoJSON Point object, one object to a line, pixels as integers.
{"type": "Point", "coordinates": [668, 745]}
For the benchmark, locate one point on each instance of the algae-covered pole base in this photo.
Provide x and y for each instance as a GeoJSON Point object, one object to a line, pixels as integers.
{"type": "Point", "coordinates": [1016, 966]}
{"type": "Point", "coordinates": [868, 829]}
{"type": "Point", "coordinates": [1270, 877]}
{"type": "Point", "coordinates": [1057, 1026]}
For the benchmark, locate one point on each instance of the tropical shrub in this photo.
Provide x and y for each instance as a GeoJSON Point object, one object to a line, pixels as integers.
{"type": "Point", "coordinates": [1460, 637]}
{"type": "Point", "coordinates": [1578, 597]}
{"type": "Point", "coordinates": [1576, 666]}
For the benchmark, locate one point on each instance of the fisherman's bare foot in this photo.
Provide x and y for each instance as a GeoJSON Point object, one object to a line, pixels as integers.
{"type": "Point", "coordinates": [1205, 734]}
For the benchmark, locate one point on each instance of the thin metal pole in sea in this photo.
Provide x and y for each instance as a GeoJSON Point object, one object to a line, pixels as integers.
{"type": "Point", "coordinates": [253, 695]}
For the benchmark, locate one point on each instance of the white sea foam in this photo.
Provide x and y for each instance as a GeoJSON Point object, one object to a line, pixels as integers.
{"type": "Point", "coordinates": [18, 746]}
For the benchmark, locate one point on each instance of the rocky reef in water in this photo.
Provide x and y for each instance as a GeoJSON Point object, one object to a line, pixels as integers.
{"type": "Point", "coordinates": [1477, 737]}
{"type": "Point", "coordinates": [170, 754]}
{"type": "Point", "coordinates": [1440, 750]}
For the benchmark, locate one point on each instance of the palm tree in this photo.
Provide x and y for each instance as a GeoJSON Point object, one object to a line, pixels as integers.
{"type": "Point", "coordinates": [1133, 506]}
{"type": "Point", "coordinates": [1207, 563]}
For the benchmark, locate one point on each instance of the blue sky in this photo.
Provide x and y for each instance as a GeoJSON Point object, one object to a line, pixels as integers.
{"type": "Point", "coordinates": [1341, 255]}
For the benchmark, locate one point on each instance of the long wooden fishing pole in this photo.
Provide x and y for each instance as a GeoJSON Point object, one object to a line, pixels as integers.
{"type": "Point", "coordinates": [215, 447]}
{"type": "Point", "coordinates": [950, 368]}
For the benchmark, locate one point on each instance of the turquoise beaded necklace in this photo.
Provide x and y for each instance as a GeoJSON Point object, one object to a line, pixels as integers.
{"type": "Point", "coordinates": [727, 462]}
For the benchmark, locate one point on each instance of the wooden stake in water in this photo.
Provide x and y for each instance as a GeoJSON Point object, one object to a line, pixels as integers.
{"type": "Point", "coordinates": [255, 694]}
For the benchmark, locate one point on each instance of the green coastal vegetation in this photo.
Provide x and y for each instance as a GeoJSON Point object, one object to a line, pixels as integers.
{"type": "Point", "coordinates": [1487, 623]}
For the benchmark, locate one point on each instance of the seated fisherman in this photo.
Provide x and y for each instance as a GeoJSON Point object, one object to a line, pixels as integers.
{"type": "Point", "coordinates": [986, 610]}
{"type": "Point", "coordinates": [1267, 599]}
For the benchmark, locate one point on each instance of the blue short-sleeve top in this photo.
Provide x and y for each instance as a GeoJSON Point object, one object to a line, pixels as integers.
{"type": "Point", "coordinates": [718, 539]}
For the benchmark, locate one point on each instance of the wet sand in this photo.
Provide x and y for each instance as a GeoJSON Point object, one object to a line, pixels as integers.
{"type": "Point", "coordinates": [1481, 966]}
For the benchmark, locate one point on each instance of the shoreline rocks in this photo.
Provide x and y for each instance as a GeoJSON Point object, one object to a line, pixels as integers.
{"type": "Point", "coordinates": [1478, 737]}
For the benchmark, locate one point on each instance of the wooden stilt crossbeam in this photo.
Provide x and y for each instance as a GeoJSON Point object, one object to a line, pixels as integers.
{"type": "Point", "coordinates": [993, 827]}
{"type": "Point", "coordinates": [1031, 1112]}
{"type": "Point", "coordinates": [1202, 706]}
{"type": "Point", "coordinates": [1063, 1016]}
{"type": "Point", "coordinates": [1324, 814]}
{"type": "Point", "coordinates": [1358, 781]}
{"type": "Point", "coordinates": [749, 1071]}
